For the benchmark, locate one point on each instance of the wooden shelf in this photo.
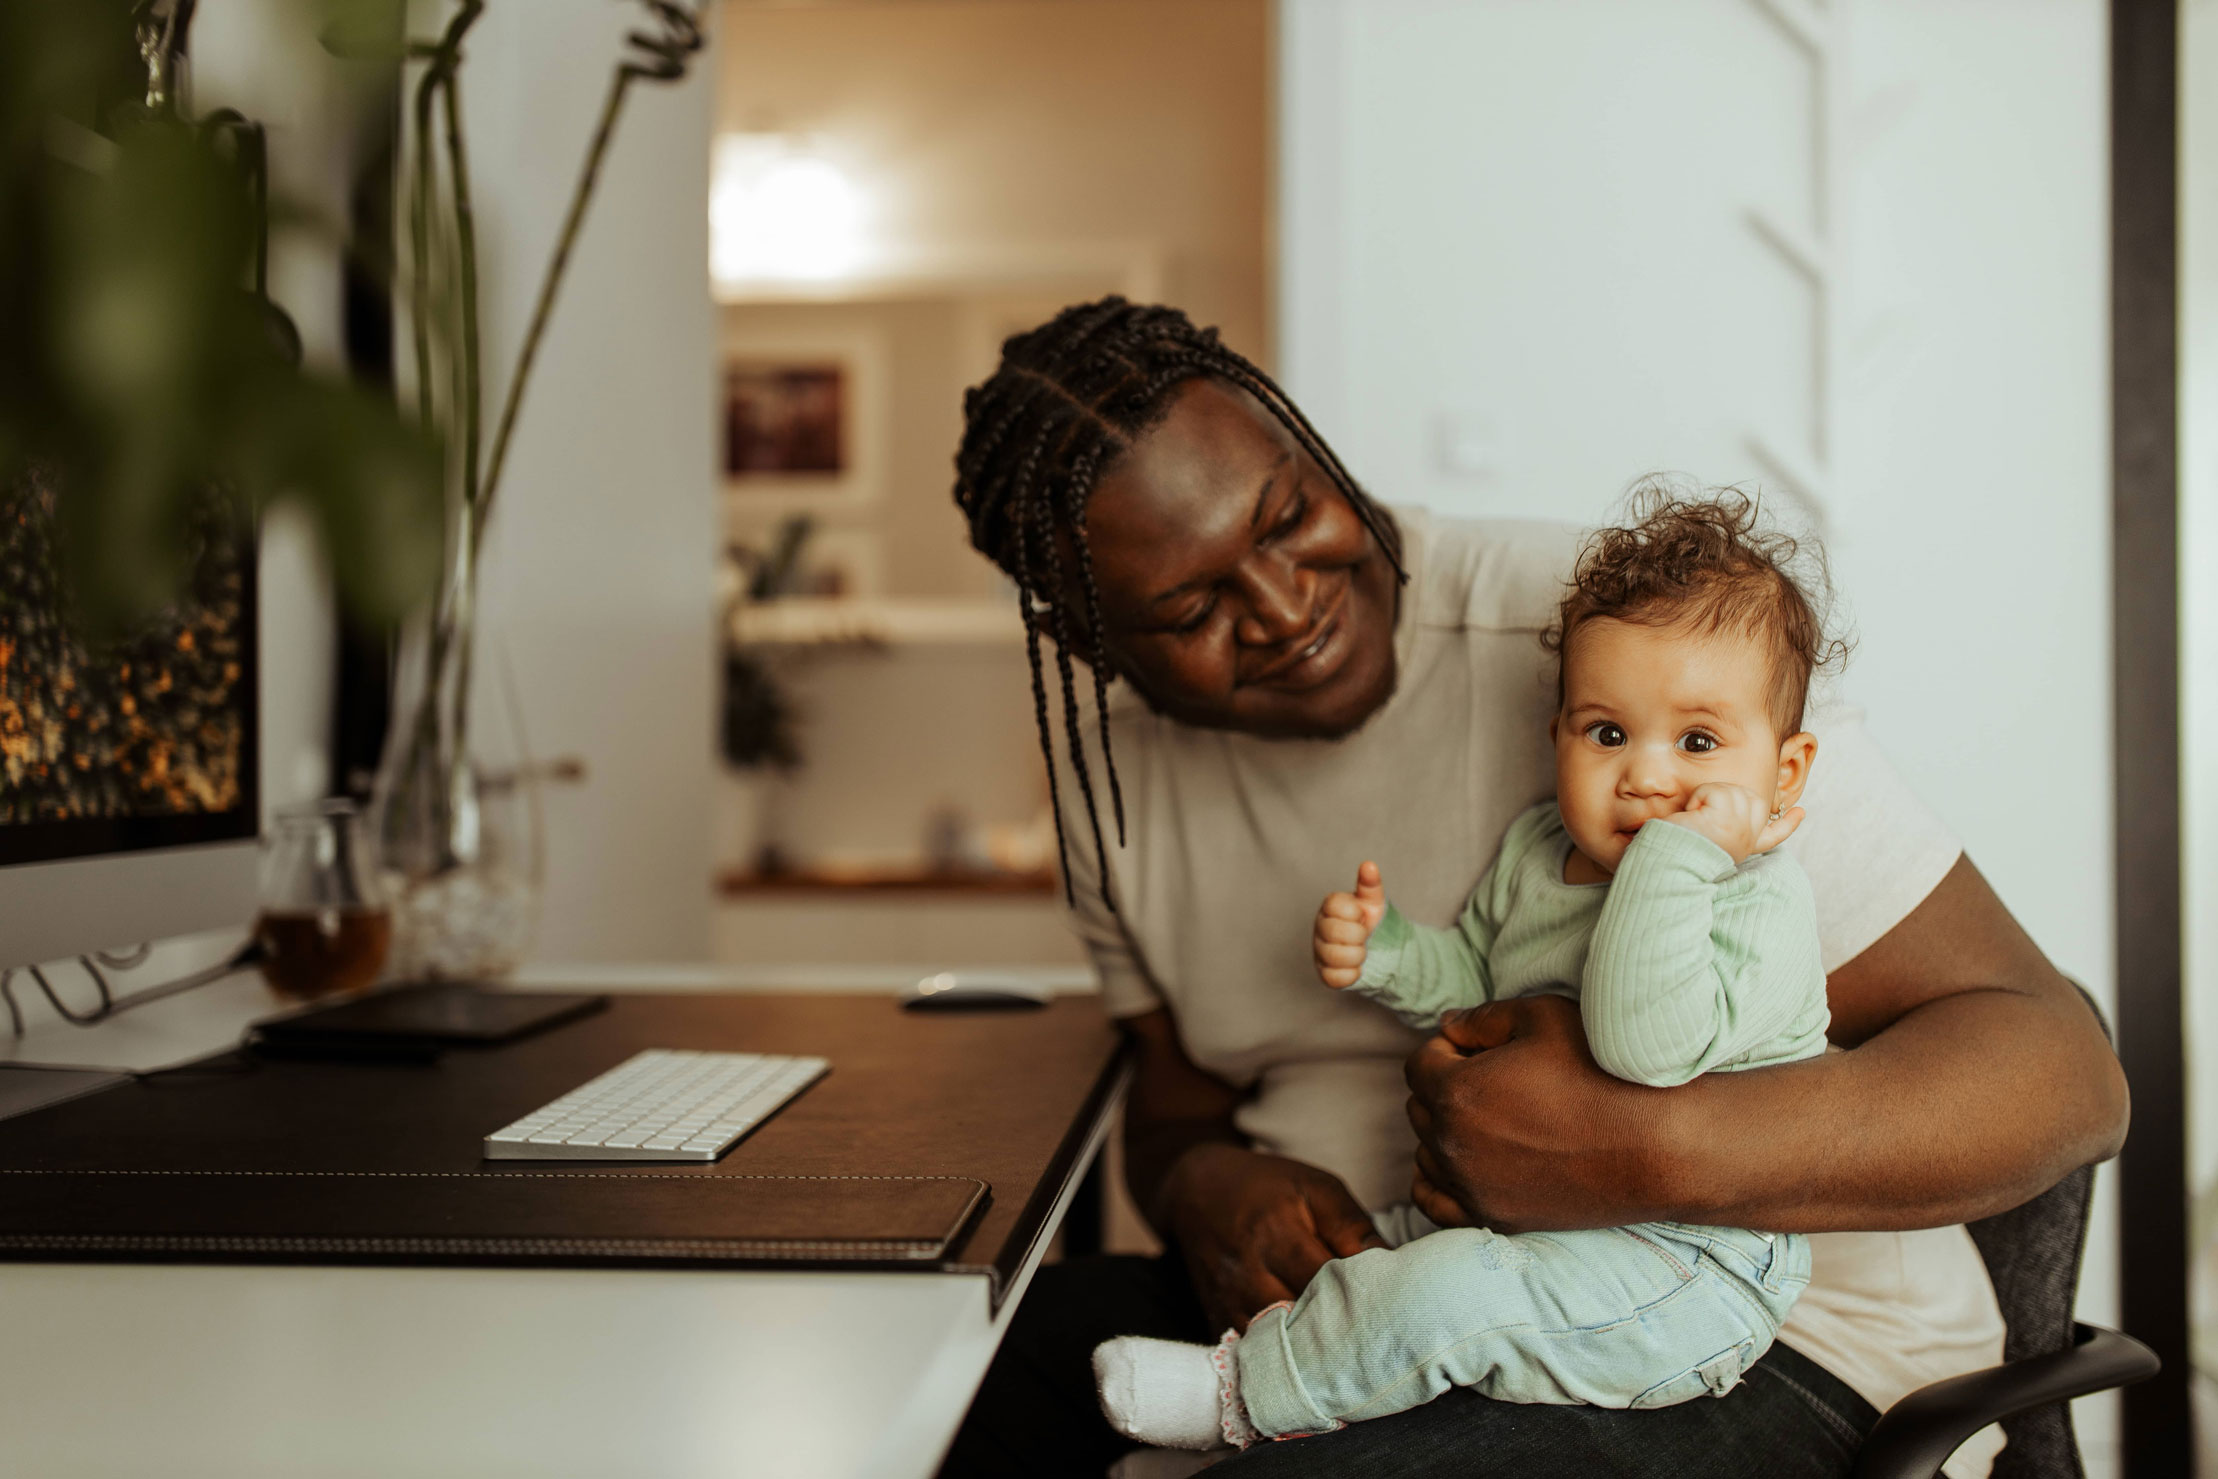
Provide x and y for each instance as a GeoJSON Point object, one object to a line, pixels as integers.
{"type": "Point", "coordinates": [816, 621]}
{"type": "Point", "coordinates": [740, 883]}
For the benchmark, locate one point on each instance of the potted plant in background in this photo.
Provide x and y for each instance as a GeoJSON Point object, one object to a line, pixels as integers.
{"type": "Point", "coordinates": [758, 745]}
{"type": "Point", "coordinates": [758, 730]}
{"type": "Point", "coordinates": [460, 838]}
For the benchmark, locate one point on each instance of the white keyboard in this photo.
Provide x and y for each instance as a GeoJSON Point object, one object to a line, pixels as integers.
{"type": "Point", "coordinates": [664, 1104]}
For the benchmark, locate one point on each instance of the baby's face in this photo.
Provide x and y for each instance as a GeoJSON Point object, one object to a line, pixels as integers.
{"type": "Point", "coordinates": [1650, 713]}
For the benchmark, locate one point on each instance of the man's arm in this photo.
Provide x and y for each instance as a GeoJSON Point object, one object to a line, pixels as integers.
{"type": "Point", "coordinates": [1975, 1078]}
{"type": "Point", "coordinates": [1172, 1107]}
{"type": "Point", "coordinates": [1253, 1228]}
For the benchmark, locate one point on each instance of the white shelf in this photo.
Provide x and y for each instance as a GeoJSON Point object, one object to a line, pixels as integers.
{"type": "Point", "coordinates": [814, 621]}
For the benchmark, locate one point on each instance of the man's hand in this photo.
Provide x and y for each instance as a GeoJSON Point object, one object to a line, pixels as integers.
{"type": "Point", "coordinates": [1518, 1129]}
{"type": "Point", "coordinates": [1344, 925]}
{"type": "Point", "coordinates": [1736, 819]}
{"type": "Point", "coordinates": [1256, 1228]}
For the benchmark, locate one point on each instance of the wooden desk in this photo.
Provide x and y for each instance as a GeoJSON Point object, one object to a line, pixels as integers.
{"type": "Point", "coordinates": [238, 1371]}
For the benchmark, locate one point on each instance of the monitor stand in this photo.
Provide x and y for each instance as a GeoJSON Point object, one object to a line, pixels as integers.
{"type": "Point", "coordinates": [25, 1087]}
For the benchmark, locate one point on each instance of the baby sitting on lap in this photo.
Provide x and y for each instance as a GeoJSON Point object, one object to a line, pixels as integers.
{"type": "Point", "coordinates": [1649, 891]}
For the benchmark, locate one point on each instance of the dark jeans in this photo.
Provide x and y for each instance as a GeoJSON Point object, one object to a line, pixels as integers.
{"type": "Point", "coordinates": [1036, 1415]}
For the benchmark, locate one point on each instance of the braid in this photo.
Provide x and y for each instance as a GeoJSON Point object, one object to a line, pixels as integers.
{"type": "Point", "coordinates": [1074, 394]}
{"type": "Point", "coordinates": [1039, 692]}
{"type": "Point", "coordinates": [1011, 415]}
{"type": "Point", "coordinates": [1082, 475]}
{"type": "Point", "coordinates": [1061, 632]}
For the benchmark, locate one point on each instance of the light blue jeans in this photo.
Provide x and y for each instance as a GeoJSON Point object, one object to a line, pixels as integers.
{"type": "Point", "coordinates": [1642, 1316]}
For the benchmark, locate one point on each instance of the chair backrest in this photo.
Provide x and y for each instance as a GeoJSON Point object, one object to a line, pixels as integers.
{"type": "Point", "coordinates": [2032, 1255]}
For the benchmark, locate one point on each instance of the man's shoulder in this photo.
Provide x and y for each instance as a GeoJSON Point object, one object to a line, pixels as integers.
{"type": "Point", "coordinates": [1871, 847]}
{"type": "Point", "coordinates": [1488, 574]}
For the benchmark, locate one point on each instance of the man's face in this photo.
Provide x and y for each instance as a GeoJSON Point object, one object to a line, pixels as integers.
{"type": "Point", "coordinates": [1239, 589]}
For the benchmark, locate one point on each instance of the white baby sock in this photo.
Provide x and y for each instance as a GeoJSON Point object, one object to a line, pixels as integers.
{"type": "Point", "coordinates": [1171, 1394]}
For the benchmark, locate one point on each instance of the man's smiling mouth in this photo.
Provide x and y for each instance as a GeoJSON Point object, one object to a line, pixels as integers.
{"type": "Point", "coordinates": [1315, 661]}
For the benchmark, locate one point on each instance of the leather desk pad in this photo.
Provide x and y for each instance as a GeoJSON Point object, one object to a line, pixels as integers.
{"type": "Point", "coordinates": [620, 1217]}
{"type": "Point", "coordinates": [1000, 1098]}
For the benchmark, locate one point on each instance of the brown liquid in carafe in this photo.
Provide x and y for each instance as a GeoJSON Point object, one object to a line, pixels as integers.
{"type": "Point", "coordinates": [307, 954]}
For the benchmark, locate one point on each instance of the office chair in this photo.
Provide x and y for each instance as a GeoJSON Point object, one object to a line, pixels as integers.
{"type": "Point", "coordinates": [2032, 1254]}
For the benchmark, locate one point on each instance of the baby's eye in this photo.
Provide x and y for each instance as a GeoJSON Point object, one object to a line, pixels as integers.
{"type": "Point", "coordinates": [1605, 734]}
{"type": "Point", "coordinates": [1695, 742]}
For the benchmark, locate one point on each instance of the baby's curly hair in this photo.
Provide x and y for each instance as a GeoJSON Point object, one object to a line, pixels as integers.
{"type": "Point", "coordinates": [1704, 559]}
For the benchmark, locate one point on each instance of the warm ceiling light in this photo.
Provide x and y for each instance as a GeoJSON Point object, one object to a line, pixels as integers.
{"type": "Point", "coordinates": [777, 210]}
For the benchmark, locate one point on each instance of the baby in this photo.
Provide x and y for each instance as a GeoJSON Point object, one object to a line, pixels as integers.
{"type": "Point", "coordinates": [1648, 890]}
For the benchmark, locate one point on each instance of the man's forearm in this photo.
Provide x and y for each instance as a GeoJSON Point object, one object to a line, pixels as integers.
{"type": "Point", "coordinates": [1153, 1149]}
{"type": "Point", "coordinates": [1964, 1107]}
{"type": "Point", "coordinates": [1173, 1107]}
{"type": "Point", "coordinates": [1976, 1077]}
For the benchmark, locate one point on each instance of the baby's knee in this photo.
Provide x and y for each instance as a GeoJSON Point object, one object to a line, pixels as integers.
{"type": "Point", "coordinates": [1451, 1266]}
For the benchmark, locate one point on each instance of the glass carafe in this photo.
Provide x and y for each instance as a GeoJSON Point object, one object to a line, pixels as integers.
{"type": "Point", "coordinates": [324, 927]}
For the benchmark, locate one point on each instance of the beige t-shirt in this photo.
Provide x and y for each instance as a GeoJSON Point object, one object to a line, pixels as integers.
{"type": "Point", "coordinates": [1233, 839]}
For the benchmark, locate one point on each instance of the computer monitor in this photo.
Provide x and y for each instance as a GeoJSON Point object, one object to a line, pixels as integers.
{"type": "Point", "coordinates": [128, 766]}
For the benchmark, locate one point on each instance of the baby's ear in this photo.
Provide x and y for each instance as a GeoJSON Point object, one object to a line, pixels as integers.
{"type": "Point", "coordinates": [1797, 753]}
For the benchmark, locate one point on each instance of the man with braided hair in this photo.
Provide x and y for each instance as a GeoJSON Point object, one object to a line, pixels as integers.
{"type": "Point", "coordinates": [1304, 679]}
{"type": "Point", "coordinates": [1069, 398]}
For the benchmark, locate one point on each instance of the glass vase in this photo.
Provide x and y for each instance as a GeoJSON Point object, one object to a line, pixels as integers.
{"type": "Point", "coordinates": [457, 808]}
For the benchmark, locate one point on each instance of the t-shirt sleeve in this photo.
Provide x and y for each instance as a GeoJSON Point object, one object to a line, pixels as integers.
{"type": "Point", "coordinates": [1126, 990]}
{"type": "Point", "coordinates": [1872, 849]}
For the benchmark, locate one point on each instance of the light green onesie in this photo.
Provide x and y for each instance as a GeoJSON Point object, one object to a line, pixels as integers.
{"type": "Point", "coordinates": [1682, 964]}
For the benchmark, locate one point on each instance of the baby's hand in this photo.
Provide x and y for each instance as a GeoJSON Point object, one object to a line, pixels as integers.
{"type": "Point", "coordinates": [1736, 820]}
{"type": "Point", "coordinates": [1344, 923]}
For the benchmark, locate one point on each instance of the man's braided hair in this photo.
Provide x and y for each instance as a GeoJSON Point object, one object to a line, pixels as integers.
{"type": "Point", "coordinates": [1068, 400]}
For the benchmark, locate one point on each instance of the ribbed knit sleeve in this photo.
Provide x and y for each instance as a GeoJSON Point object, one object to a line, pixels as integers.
{"type": "Point", "coordinates": [1421, 973]}
{"type": "Point", "coordinates": [1696, 964]}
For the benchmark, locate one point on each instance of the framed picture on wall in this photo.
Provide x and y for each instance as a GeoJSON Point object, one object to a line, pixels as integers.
{"type": "Point", "coordinates": [804, 420]}
{"type": "Point", "coordinates": [785, 420]}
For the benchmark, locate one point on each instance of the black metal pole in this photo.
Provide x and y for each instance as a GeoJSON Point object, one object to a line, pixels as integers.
{"type": "Point", "coordinates": [2144, 305]}
{"type": "Point", "coordinates": [362, 660]}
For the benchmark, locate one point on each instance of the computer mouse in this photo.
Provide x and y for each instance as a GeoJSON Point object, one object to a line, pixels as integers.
{"type": "Point", "coordinates": [974, 991]}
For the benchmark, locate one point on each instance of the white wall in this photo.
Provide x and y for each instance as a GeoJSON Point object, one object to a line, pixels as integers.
{"type": "Point", "coordinates": [1519, 226]}
{"type": "Point", "coordinates": [1518, 269]}
{"type": "Point", "coordinates": [2199, 668]}
{"type": "Point", "coordinates": [599, 561]}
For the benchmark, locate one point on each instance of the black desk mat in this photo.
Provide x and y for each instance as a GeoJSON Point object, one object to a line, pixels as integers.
{"type": "Point", "coordinates": [247, 1159]}
{"type": "Point", "coordinates": [567, 1216]}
